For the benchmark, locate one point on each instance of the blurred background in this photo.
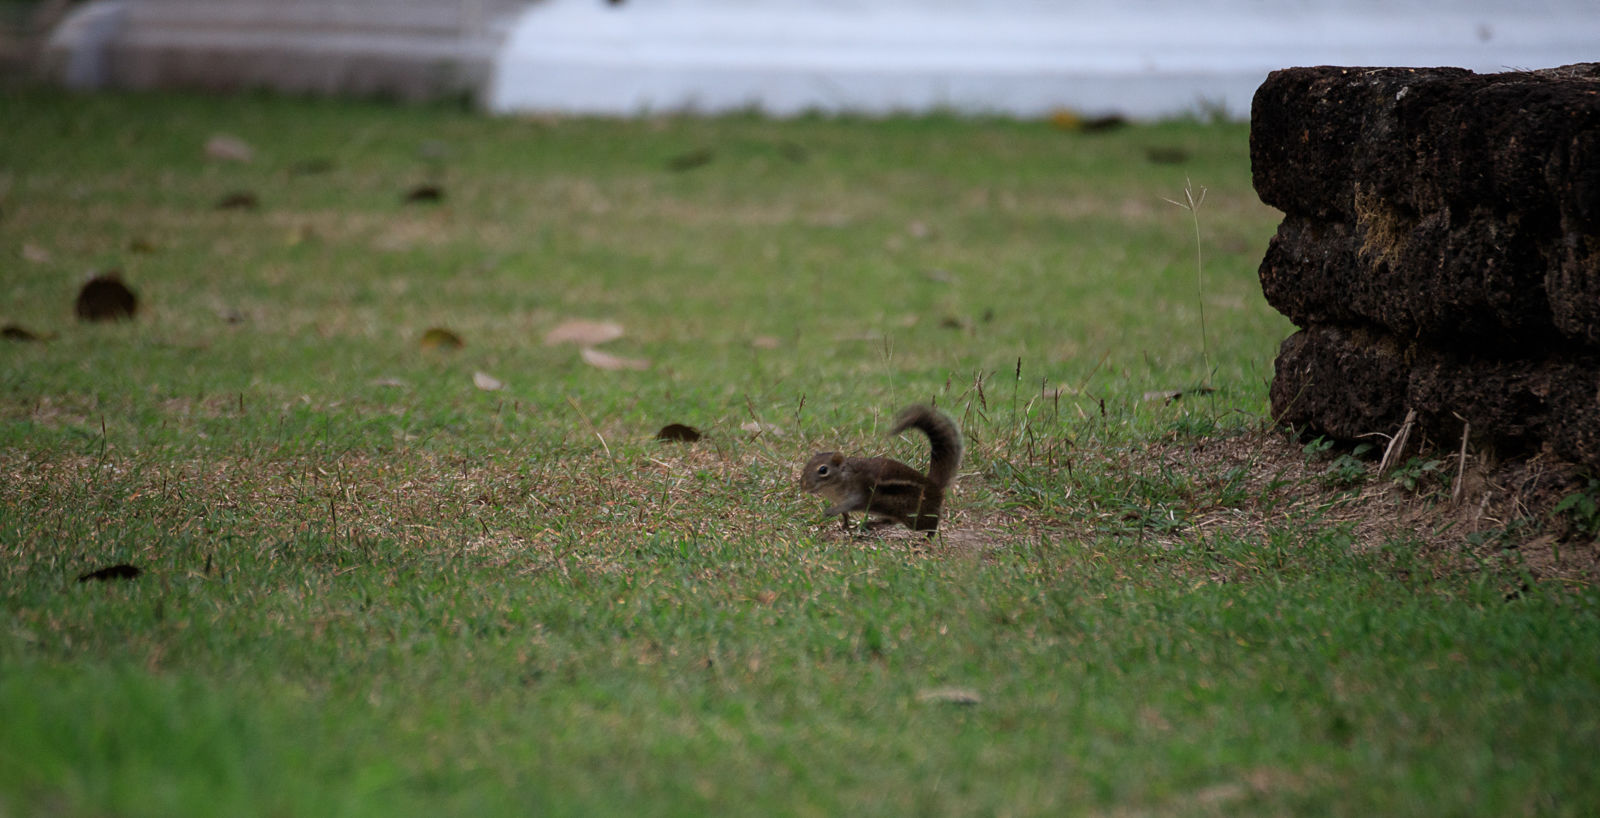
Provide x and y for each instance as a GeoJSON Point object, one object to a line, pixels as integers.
{"type": "Point", "coordinates": [1135, 58]}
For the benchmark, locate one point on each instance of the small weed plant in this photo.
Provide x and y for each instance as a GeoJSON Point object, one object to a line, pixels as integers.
{"type": "Point", "coordinates": [1421, 475]}
{"type": "Point", "coordinates": [1345, 469]}
{"type": "Point", "coordinates": [1582, 508]}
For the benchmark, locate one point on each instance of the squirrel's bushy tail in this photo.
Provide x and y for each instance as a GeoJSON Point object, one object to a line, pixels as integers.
{"type": "Point", "coordinates": [944, 440]}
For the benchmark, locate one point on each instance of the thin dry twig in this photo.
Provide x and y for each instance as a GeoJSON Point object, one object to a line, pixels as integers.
{"type": "Point", "coordinates": [1461, 462]}
{"type": "Point", "coordinates": [1397, 444]}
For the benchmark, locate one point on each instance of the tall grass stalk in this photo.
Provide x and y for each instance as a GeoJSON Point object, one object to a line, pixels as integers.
{"type": "Point", "coordinates": [1191, 202]}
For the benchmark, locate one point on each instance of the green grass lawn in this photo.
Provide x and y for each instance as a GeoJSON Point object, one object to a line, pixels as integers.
{"type": "Point", "coordinates": [371, 587]}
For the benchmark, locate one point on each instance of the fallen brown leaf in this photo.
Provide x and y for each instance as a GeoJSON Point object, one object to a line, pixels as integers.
{"type": "Point", "coordinates": [583, 332]}
{"type": "Point", "coordinates": [678, 433]}
{"type": "Point", "coordinates": [1066, 119]}
{"type": "Point", "coordinates": [950, 695]}
{"type": "Point", "coordinates": [1098, 124]}
{"type": "Point", "coordinates": [487, 382]}
{"type": "Point", "coordinates": [440, 338]}
{"type": "Point", "coordinates": [229, 149]}
{"type": "Point", "coordinates": [105, 298]}
{"type": "Point", "coordinates": [13, 332]}
{"type": "Point", "coordinates": [602, 360]}
{"type": "Point", "coordinates": [424, 194]}
{"type": "Point", "coordinates": [119, 571]}
{"type": "Point", "coordinates": [239, 200]}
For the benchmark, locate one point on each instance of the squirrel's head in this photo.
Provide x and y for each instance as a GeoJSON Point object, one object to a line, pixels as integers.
{"type": "Point", "coordinates": [820, 471]}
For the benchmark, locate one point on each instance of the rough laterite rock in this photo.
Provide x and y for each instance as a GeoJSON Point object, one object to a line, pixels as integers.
{"type": "Point", "coordinates": [1344, 382]}
{"type": "Point", "coordinates": [1440, 252]}
{"type": "Point", "coordinates": [1349, 383]}
{"type": "Point", "coordinates": [1479, 283]}
{"type": "Point", "coordinates": [1424, 139]}
{"type": "Point", "coordinates": [1315, 131]}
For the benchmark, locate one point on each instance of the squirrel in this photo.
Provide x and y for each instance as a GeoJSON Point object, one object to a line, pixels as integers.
{"type": "Point", "coordinates": [887, 487]}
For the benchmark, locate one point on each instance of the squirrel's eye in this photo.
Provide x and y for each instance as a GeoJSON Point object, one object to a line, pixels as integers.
{"type": "Point", "coordinates": [822, 471]}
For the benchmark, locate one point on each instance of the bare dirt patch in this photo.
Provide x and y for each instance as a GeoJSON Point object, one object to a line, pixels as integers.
{"type": "Point", "coordinates": [1504, 515]}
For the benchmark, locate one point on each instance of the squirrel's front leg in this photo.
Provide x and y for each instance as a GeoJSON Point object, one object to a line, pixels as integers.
{"type": "Point", "coordinates": [853, 501]}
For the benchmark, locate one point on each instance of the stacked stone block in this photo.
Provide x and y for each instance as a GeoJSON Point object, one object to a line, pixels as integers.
{"type": "Point", "coordinates": [1440, 251]}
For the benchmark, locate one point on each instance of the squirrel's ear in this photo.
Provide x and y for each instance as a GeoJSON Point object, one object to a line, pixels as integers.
{"type": "Point", "coordinates": [837, 459]}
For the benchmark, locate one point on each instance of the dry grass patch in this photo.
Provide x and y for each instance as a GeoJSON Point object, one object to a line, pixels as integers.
{"type": "Point", "coordinates": [588, 511]}
{"type": "Point", "coordinates": [1504, 521]}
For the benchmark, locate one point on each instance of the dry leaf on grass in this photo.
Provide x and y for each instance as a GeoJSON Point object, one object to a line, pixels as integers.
{"type": "Point", "coordinates": [239, 200]}
{"type": "Point", "coordinates": [1109, 122]}
{"type": "Point", "coordinates": [1066, 119]}
{"type": "Point", "coordinates": [678, 433]}
{"type": "Point", "coordinates": [440, 338]}
{"type": "Point", "coordinates": [119, 571]}
{"type": "Point", "coordinates": [34, 253]}
{"type": "Point", "coordinates": [13, 332]}
{"type": "Point", "coordinates": [765, 342]}
{"type": "Point", "coordinates": [424, 194]}
{"type": "Point", "coordinates": [756, 428]}
{"type": "Point", "coordinates": [583, 332]}
{"type": "Point", "coordinates": [105, 298]}
{"type": "Point", "coordinates": [229, 149]}
{"type": "Point", "coordinates": [487, 382]}
{"type": "Point", "coordinates": [950, 695]}
{"type": "Point", "coordinates": [602, 360]}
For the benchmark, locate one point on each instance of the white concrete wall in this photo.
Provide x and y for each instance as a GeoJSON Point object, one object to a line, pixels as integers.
{"type": "Point", "coordinates": [1143, 58]}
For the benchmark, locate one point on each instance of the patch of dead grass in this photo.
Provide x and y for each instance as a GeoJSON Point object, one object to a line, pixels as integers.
{"type": "Point", "coordinates": [587, 512]}
{"type": "Point", "coordinates": [1503, 518]}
